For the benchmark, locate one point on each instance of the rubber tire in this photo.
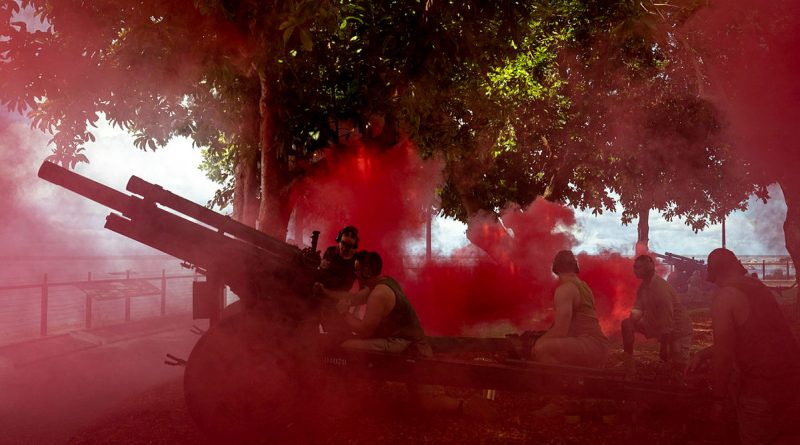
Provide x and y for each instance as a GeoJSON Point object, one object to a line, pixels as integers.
{"type": "Point", "coordinates": [249, 379]}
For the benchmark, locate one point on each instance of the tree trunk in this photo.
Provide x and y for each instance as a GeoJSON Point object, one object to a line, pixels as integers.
{"type": "Point", "coordinates": [791, 226]}
{"type": "Point", "coordinates": [245, 193]}
{"type": "Point", "coordinates": [246, 180]}
{"type": "Point", "coordinates": [554, 192]}
{"type": "Point", "coordinates": [274, 210]}
{"type": "Point", "coordinates": [643, 231]}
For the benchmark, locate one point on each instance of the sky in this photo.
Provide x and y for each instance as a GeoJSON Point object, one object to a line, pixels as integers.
{"type": "Point", "coordinates": [113, 159]}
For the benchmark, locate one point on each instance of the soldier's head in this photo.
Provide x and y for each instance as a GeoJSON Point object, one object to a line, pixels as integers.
{"type": "Point", "coordinates": [347, 240]}
{"type": "Point", "coordinates": [368, 266]}
{"type": "Point", "coordinates": [723, 264]}
{"type": "Point", "coordinates": [565, 262]}
{"type": "Point", "coordinates": [644, 267]}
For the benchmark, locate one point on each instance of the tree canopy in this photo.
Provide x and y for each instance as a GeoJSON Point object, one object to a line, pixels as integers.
{"type": "Point", "coordinates": [578, 101]}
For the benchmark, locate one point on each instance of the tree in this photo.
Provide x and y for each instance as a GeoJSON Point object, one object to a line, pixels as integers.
{"type": "Point", "coordinates": [241, 78]}
{"type": "Point", "coordinates": [204, 69]}
{"type": "Point", "coordinates": [749, 52]}
{"type": "Point", "coordinates": [513, 95]}
{"type": "Point", "coordinates": [609, 102]}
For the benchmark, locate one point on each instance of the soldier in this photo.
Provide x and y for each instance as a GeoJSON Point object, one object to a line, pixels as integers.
{"type": "Point", "coordinates": [575, 337]}
{"type": "Point", "coordinates": [390, 323]}
{"type": "Point", "coordinates": [755, 357]}
{"type": "Point", "coordinates": [337, 269]}
{"type": "Point", "coordinates": [337, 274]}
{"type": "Point", "coordinates": [657, 313]}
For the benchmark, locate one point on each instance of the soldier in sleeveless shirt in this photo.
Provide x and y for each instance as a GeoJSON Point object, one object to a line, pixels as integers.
{"type": "Point", "coordinates": [755, 359]}
{"type": "Point", "coordinates": [575, 337]}
{"type": "Point", "coordinates": [390, 323]}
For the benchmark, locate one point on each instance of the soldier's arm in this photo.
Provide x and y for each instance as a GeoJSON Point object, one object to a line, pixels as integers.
{"type": "Point", "coordinates": [379, 303]}
{"type": "Point", "coordinates": [336, 295]}
{"type": "Point", "coordinates": [563, 301]}
{"type": "Point", "coordinates": [636, 311]}
{"type": "Point", "coordinates": [360, 296]}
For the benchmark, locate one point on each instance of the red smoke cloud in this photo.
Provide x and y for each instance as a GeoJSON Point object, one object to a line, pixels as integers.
{"type": "Point", "coordinates": [382, 192]}
{"type": "Point", "coordinates": [385, 193]}
{"type": "Point", "coordinates": [610, 276]}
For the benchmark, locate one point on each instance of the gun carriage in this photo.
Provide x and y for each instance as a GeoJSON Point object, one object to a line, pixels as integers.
{"type": "Point", "coordinates": [257, 370]}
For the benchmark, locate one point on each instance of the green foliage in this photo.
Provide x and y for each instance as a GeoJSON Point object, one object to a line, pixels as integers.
{"type": "Point", "coordinates": [574, 100]}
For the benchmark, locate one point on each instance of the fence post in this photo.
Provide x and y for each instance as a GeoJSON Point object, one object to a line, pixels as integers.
{"type": "Point", "coordinates": [163, 292]}
{"type": "Point", "coordinates": [763, 269]}
{"type": "Point", "coordinates": [88, 305]}
{"type": "Point", "coordinates": [43, 321]}
{"type": "Point", "coordinates": [127, 299]}
{"type": "Point", "coordinates": [428, 236]}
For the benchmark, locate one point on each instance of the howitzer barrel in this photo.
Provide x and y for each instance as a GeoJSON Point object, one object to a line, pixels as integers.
{"type": "Point", "coordinates": [157, 194]}
{"type": "Point", "coordinates": [684, 258]}
{"type": "Point", "coordinates": [93, 190]}
{"type": "Point", "coordinates": [250, 262]}
{"type": "Point", "coordinates": [676, 259]}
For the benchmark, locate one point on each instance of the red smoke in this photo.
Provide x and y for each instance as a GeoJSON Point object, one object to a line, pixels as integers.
{"type": "Point", "coordinates": [382, 192]}
{"type": "Point", "coordinates": [385, 193]}
{"type": "Point", "coordinates": [513, 285]}
{"type": "Point", "coordinates": [610, 276]}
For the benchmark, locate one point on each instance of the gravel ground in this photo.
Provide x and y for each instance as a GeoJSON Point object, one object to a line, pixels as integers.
{"type": "Point", "coordinates": [159, 416]}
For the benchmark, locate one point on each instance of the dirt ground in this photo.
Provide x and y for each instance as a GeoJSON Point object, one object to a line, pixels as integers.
{"type": "Point", "coordinates": [159, 416]}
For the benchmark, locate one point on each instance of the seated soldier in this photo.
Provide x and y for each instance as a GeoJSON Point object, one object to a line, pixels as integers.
{"type": "Point", "coordinates": [575, 337]}
{"type": "Point", "coordinates": [390, 323]}
{"type": "Point", "coordinates": [657, 313]}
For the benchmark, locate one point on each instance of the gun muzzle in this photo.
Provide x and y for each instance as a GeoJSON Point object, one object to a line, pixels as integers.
{"type": "Point", "coordinates": [85, 187]}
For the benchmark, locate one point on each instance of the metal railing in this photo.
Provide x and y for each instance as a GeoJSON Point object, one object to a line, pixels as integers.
{"type": "Point", "coordinates": [766, 270]}
{"type": "Point", "coordinates": [775, 268]}
{"type": "Point", "coordinates": [66, 306]}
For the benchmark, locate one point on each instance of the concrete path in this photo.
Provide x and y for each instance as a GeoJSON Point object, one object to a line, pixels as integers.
{"type": "Point", "coordinates": [52, 388]}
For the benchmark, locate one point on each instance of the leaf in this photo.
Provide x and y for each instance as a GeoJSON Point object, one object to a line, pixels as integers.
{"type": "Point", "coordinates": [287, 34]}
{"type": "Point", "coordinates": [305, 39]}
{"type": "Point", "coordinates": [23, 27]}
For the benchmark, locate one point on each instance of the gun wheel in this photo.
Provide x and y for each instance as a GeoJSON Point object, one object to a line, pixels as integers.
{"type": "Point", "coordinates": [249, 379]}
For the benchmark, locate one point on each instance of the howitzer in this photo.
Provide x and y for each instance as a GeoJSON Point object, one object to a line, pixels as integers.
{"type": "Point", "coordinates": [244, 373]}
{"type": "Point", "coordinates": [681, 261]}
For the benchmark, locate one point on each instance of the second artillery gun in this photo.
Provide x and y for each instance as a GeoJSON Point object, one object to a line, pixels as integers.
{"type": "Point", "coordinates": [681, 262]}
{"type": "Point", "coordinates": [256, 374]}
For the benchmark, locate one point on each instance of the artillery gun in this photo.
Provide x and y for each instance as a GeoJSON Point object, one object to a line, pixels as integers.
{"type": "Point", "coordinates": [681, 262]}
{"type": "Point", "coordinates": [242, 376]}
{"type": "Point", "coordinates": [255, 375]}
